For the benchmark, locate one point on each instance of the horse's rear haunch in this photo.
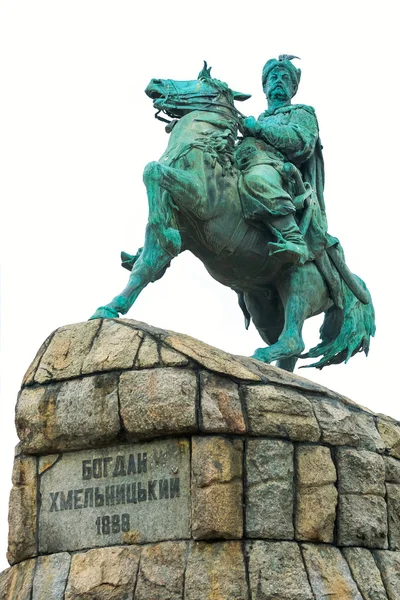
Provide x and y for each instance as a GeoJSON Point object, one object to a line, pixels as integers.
{"type": "Point", "coordinates": [194, 204]}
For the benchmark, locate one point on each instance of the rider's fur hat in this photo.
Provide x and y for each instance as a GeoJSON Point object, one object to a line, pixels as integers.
{"type": "Point", "coordinates": [284, 60]}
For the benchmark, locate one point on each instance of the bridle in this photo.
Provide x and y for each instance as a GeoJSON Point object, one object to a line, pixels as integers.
{"type": "Point", "coordinates": [205, 103]}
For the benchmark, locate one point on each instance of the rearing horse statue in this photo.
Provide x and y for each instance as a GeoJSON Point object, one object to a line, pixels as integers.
{"type": "Point", "coordinates": [194, 205]}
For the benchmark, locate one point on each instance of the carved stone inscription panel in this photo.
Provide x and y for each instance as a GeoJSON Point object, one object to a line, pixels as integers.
{"type": "Point", "coordinates": [125, 494]}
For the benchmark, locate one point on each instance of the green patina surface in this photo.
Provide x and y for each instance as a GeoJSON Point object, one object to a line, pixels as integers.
{"type": "Point", "coordinates": [246, 196]}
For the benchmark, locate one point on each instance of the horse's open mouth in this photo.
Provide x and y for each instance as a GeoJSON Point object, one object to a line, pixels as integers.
{"type": "Point", "coordinates": [153, 89]}
{"type": "Point", "coordinates": [153, 94]}
{"type": "Point", "coordinates": [157, 97]}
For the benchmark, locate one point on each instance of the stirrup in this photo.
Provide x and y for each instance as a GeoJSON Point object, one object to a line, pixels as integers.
{"type": "Point", "coordinates": [288, 252]}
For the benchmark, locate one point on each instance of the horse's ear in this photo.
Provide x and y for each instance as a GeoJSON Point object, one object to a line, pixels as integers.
{"type": "Point", "coordinates": [240, 97]}
{"type": "Point", "coordinates": [205, 73]}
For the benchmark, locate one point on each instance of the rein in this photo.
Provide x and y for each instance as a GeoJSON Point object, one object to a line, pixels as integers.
{"type": "Point", "coordinates": [162, 118]}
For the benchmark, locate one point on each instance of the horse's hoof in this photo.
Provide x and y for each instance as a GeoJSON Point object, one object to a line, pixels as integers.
{"type": "Point", "coordinates": [105, 312]}
{"type": "Point", "coordinates": [262, 354]}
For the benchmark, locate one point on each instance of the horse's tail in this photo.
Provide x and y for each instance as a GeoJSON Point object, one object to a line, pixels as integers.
{"type": "Point", "coordinates": [346, 331]}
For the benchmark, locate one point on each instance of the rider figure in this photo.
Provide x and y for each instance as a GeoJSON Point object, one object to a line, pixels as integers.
{"type": "Point", "coordinates": [281, 143]}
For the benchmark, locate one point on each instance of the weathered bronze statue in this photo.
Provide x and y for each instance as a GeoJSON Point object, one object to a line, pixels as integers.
{"type": "Point", "coordinates": [253, 211]}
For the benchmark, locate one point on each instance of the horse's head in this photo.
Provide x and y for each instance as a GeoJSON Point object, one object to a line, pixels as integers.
{"type": "Point", "coordinates": [177, 98]}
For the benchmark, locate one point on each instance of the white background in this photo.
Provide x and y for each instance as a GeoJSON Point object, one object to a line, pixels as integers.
{"type": "Point", "coordinates": [76, 131]}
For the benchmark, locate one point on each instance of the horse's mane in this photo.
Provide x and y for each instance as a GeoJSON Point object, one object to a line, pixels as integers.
{"type": "Point", "coordinates": [205, 75]}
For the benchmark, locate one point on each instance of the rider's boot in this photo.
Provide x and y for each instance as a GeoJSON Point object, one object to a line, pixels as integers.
{"type": "Point", "coordinates": [290, 247]}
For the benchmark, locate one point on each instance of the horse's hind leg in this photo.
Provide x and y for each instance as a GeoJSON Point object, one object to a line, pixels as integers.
{"type": "Point", "coordinates": [150, 266]}
{"type": "Point", "coordinates": [287, 364]}
{"type": "Point", "coordinates": [302, 292]}
{"type": "Point", "coordinates": [290, 343]}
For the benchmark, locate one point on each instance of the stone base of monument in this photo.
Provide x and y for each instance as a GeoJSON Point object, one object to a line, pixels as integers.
{"type": "Point", "coordinates": [154, 467]}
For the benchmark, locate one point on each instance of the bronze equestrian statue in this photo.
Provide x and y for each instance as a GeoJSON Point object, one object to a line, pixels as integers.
{"type": "Point", "coordinates": [252, 210]}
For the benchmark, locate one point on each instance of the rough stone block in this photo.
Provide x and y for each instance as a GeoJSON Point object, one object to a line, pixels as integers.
{"type": "Point", "coordinates": [281, 412]}
{"type": "Point", "coordinates": [22, 510]}
{"type": "Point", "coordinates": [29, 420]}
{"type": "Point", "coordinates": [51, 576]}
{"type": "Point", "coordinates": [269, 495]}
{"type": "Point", "coordinates": [336, 422]}
{"type": "Point", "coordinates": [367, 431]}
{"type": "Point", "coordinates": [103, 574]}
{"type": "Point", "coordinates": [362, 521]}
{"type": "Point", "coordinates": [161, 573]}
{"type": "Point", "coordinates": [220, 405]}
{"type": "Point", "coordinates": [389, 566]}
{"type": "Point", "coordinates": [392, 469]}
{"type": "Point", "coordinates": [16, 582]}
{"type": "Point", "coordinates": [80, 413]}
{"type": "Point", "coordinates": [316, 494]}
{"type": "Point", "coordinates": [365, 573]}
{"type": "Point", "coordinates": [329, 574]}
{"type": "Point", "coordinates": [115, 347]}
{"type": "Point", "coordinates": [148, 354]}
{"type": "Point", "coordinates": [67, 351]}
{"type": "Point", "coordinates": [216, 571]}
{"type": "Point", "coordinates": [30, 373]}
{"type": "Point", "coordinates": [158, 401]}
{"type": "Point", "coordinates": [217, 488]}
{"type": "Point", "coordinates": [269, 460]}
{"type": "Point", "coordinates": [276, 570]}
{"type": "Point", "coordinates": [360, 472]}
{"type": "Point", "coordinates": [393, 500]}
{"type": "Point", "coordinates": [390, 433]}
{"type": "Point", "coordinates": [315, 466]}
{"type": "Point", "coordinates": [212, 358]}
{"type": "Point", "coordinates": [316, 513]}
{"type": "Point", "coordinates": [171, 358]}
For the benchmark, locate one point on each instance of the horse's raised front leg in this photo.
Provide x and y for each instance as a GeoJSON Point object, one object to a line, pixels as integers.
{"type": "Point", "coordinates": [161, 216]}
{"type": "Point", "coordinates": [150, 266]}
{"type": "Point", "coordinates": [180, 190]}
{"type": "Point", "coordinates": [162, 243]}
{"type": "Point", "coordinates": [163, 240]}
